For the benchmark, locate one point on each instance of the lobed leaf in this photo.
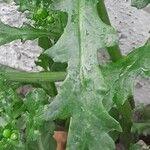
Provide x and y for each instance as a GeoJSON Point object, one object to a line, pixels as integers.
{"type": "Point", "coordinates": [82, 92]}
{"type": "Point", "coordinates": [120, 76]}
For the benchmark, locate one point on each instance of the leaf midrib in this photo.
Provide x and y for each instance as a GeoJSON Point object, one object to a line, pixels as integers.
{"type": "Point", "coordinates": [80, 39]}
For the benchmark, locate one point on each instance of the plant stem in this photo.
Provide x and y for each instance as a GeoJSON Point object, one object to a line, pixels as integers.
{"type": "Point", "coordinates": [114, 51]}
{"type": "Point", "coordinates": [49, 87]}
{"type": "Point", "coordinates": [125, 110]}
{"type": "Point", "coordinates": [27, 77]}
{"type": "Point", "coordinates": [40, 144]}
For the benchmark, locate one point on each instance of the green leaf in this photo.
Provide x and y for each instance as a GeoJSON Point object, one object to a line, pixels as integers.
{"type": "Point", "coordinates": [44, 43]}
{"type": "Point", "coordinates": [35, 102]}
{"type": "Point", "coordinates": [26, 32]}
{"type": "Point", "coordinates": [120, 76]}
{"type": "Point", "coordinates": [135, 147]}
{"type": "Point", "coordinates": [48, 65]}
{"type": "Point", "coordinates": [23, 117]}
{"type": "Point", "coordinates": [30, 4]}
{"type": "Point", "coordinates": [45, 61]}
{"type": "Point", "coordinates": [141, 128]}
{"type": "Point", "coordinates": [83, 90]}
{"type": "Point", "coordinates": [45, 142]}
{"type": "Point", "coordinates": [38, 131]}
{"type": "Point", "coordinates": [9, 99]}
{"type": "Point", "coordinates": [140, 3]}
{"type": "Point", "coordinates": [14, 76]}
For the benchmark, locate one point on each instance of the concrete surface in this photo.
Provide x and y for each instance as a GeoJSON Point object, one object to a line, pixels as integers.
{"type": "Point", "coordinates": [17, 54]}
{"type": "Point", "coordinates": [132, 25]}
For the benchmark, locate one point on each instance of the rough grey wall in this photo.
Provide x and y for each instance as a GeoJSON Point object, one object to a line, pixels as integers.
{"type": "Point", "coordinates": [17, 54]}
{"type": "Point", "coordinates": [132, 25]}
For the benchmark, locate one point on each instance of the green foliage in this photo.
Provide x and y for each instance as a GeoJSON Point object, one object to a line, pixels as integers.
{"type": "Point", "coordinates": [21, 123]}
{"type": "Point", "coordinates": [42, 16]}
{"type": "Point", "coordinates": [31, 4]}
{"type": "Point", "coordinates": [120, 76]}
{"type": "Point", "coordinates": [92, 96]}
{"type": "Point", "coordinates": [140, 3]}
{"type": "Point", "coordinates": [26, 32]}
{"type": "Point", "coordinates": [46, 23]}
{"type": "Point", "coordinates": [141, 128]}
{"type": "Point", "coordinates": [83, 90]}
{"type": "Point", "coordinates": [135, 147]}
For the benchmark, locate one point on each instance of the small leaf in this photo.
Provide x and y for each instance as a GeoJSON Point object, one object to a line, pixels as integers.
{"type": "Point", "coordinates": [48, 64]}
{"type": "Point", "coordinates": [35, 99]}
{"type": "Point", "coordinates": [26, 32]}
{"type": "Point", "coordinates": [140, 3]}
{"type": "Point", "coordinates": [141, 128]}
{"type": "Point", "coordinates": [44, 43]}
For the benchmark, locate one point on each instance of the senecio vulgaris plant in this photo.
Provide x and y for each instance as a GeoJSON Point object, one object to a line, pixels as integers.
{"type": "Point", "coordinates": [94, 104]}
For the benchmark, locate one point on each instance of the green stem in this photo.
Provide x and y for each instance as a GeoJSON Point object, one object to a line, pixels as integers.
{"type": "Point", "coordinates": [27, 77]}
{"type": "Point", "coordinates": [49, 87]}
{"type": "Point", "coordinates": [125, 110]}
{"type": "Point", "coordinates": [114, 51]}
{"type": "Point", "coordinates": [40, 144]}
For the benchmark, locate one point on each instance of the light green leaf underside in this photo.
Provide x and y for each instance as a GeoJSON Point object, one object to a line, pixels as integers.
{"type": "Point", "coordinates": [26, 32]}
{"type": "Point", "coordinates": [140, 3]}
{"type": "Point", "coordinates": [83, 90]}
{"type": "Point", "coordinates": [120, 76]}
